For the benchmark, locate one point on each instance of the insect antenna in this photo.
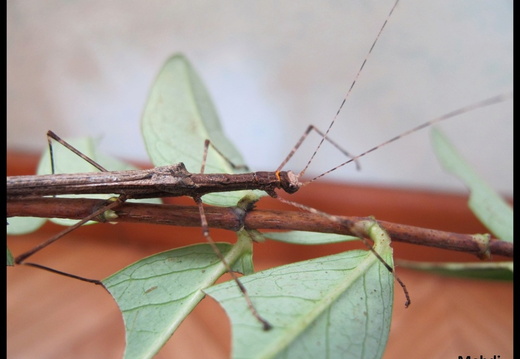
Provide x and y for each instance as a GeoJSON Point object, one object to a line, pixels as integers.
{"type": "Point", "coordinates": [324, 137]}
{"type": "Point", "coordinates": [348, 93]}
{"type": "Point", "coordinates": [480, 104]}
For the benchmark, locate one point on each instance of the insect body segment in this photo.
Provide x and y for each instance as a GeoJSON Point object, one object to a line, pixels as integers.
{"type": "Point", "coordinates": [164, 181]}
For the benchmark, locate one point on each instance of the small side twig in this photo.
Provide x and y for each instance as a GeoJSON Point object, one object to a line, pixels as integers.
{"type": "Point", "coordinates": [226, 218]}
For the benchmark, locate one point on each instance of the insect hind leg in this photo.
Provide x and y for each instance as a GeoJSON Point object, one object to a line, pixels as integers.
{"type": "Point", "coordinates": [98, 214]}
{"type": "Point", "coordinates": [65, 274]}
{"type": "Point", "coordinates": [52, 136]}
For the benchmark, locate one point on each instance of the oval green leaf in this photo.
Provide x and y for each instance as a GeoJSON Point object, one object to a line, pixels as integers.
{"type": "Point", "coordinates": [485, 203]}
{"type": "Point", "coordinates": [156, 294]}
{"type": "Point", "coordinates": [23, 225]}
{"type": "Point", "coordinates": [308, 238]}
{"type": "Point", "coordinates": [178, 117]}
{"type": "Point", "coordinates": [338, 306]}
{"type": "Point", "coordinates": [480, 270]}
{"type": "Point", "coordinates": [10, 258]}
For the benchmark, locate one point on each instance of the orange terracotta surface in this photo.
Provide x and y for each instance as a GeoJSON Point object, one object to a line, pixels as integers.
{"type": "Point", "coordinates": [49, 316]}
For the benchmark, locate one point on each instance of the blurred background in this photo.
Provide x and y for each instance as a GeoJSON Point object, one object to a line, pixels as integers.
{"type": "Point", "coordinates": [84, 68]}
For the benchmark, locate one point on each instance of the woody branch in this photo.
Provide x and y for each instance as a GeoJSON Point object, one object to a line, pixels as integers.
{"type": "Point", "coordinates": [227, 218]}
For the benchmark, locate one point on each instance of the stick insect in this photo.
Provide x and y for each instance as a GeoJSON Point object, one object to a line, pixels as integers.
{"type": "Point", "coordinates": [167, 184]}
{"type": "Point", "coordinates": [165, 181]}
{"type": "Point", "coordinates": [175, 180]}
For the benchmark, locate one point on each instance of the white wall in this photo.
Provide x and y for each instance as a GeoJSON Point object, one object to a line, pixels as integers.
{"type": "Point", "coordinates": [85, 67]}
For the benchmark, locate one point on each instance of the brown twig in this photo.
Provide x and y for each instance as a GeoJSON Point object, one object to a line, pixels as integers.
{"type": "Point", "coordinates": [230, 218]}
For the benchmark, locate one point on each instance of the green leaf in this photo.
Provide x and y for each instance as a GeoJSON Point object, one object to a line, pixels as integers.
{"type": "Point", "coordinates": [23, 225]}
{"type": "Point", "coordinates": [178, 117]}
{"type": "Point", "coordinates": [10, 258]}
{"type": "Point", "coordinates": [156, 294]}
{"type": "Point", "coordinates": [485, 203]}
{"type": "Point", "coordinates": [308, 238]}
{"type": "Point", "coordinates": [338, 306]}
{"type": "Point", "coordinates": [480, 270]}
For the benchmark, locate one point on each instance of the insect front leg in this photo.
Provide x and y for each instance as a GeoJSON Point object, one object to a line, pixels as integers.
{"type": "Point", "coordinates": [324, 138]}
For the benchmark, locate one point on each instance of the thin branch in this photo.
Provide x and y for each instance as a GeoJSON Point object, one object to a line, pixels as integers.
{"type": "Point", "coordinates": [233, 219]}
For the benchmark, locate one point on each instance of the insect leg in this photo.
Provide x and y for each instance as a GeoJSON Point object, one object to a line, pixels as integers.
{"type": "Point", "coordinates": [96, 214]}
{"type": "Point", "coordinates": [55, 137]}
{"type": "Point", "coordinates": [360, 236]}
{"type": "Point", "coordinates": [360, 70]}
{"type": "Point", "coordinates": [207, 143]}
{"type": "Point", "coordinates": [300, 142]}
{"type": "Point", "coordinates": [205, 231]}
